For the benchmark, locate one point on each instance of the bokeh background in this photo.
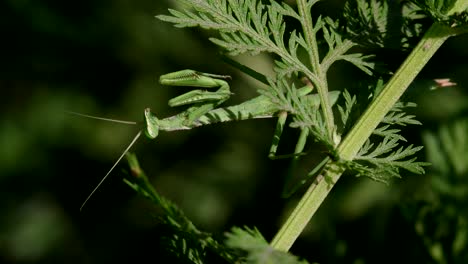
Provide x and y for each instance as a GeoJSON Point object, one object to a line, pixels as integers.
{"type": "Point", "coordinates": [103, 58]}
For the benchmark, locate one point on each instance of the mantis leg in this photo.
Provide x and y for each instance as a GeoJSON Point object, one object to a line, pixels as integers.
{"type": "Point", "coordinates": [287, 190]}
{"type": "Point", "coordinates": [203, 101]}
{"type": "Point", "coordinates": [276, 138]}
{"type": "Point", "coordinates": [298, 152]}
{"type": "Point", "coordinates": [293, 164]}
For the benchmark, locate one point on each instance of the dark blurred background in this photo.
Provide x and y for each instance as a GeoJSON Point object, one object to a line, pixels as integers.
{"type": "Point", "coordinates": [103, 58]}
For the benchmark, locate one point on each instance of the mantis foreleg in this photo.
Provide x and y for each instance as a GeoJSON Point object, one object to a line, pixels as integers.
{"type": "Point", "coordinates": [295, 156]}
{"type": "Point", "coordinates": [277, 135]}
{"type": "Point", "coordinates": [298, 152]}
{"type": "Point", "coordinates": [203, 101]}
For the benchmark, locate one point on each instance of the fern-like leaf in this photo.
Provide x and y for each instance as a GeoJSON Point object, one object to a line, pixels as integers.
{"type": "Point", "coordinates": [373, 163]}
{"type": "Point", "coordinates": [248, 26]}
{"type": "Point", "coordinates": [383, 162]}
{"type": "Point", "coordinates": [399, 117]}
{"type": "Point", "coordinates": [350, 102]}
{"type": "Point", "coordinates": [451, 12]}
{"type": "Point", "coordinates": [380, 23]}
{"type": "Point", "coordinates": [257, 249]}
{"type": "Point", "coordinates": [244, 26]}
{"type": "Point", "coordinates": [381, 157]}
{"type": "Point", "coordinates": [184, 239]}
{"type": "Point", "coordinates": [367, 21]}
{"type": "Point", "coordinates": [447, 149]}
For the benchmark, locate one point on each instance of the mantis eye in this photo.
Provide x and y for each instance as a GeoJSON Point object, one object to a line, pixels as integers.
{"type": "Point", "coordinates": [152, 124]}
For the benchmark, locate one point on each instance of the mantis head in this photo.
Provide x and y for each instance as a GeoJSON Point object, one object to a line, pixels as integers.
{"type": "Point", "coordinates": [152, 124]}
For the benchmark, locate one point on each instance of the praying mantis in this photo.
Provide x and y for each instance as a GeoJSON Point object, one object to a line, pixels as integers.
{"type": "Point", "coordinates": [204, 110]}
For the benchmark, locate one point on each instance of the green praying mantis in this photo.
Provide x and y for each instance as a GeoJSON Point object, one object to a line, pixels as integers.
{"type": "Point", "coordinates": [203, 110]}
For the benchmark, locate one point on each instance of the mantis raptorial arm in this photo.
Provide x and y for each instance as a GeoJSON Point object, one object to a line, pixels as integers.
{"type": "Point", "coordinates": [202, 101]}
{"type": "Point", "coordinates": [298, 151]}
{"type": "Point", "coordinates": [203, 110]}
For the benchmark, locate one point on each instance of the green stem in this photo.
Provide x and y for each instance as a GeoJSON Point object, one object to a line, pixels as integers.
{"type": "Point", "coordinates": [306, 208]}
{"type": "Point", "coordinates": [321, 81]}
{"type": "Point", "coordinates": [318, 191]}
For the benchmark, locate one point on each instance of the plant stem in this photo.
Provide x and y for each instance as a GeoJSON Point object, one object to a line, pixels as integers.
{"type": "Point", "coordinates": [318, 191]}
{"type": "Point", "coordinates": [321, 81]}
{"type": "Point", "coordinates": [306, 208]}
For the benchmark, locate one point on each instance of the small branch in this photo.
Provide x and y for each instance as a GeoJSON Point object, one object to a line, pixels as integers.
{"type": "Point", "coordinates": [321, 83]}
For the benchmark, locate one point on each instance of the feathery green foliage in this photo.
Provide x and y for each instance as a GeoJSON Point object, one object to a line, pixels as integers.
{"type": "Point", "coordinates": [447, 150]}
{"type": "Point", "coordinates": [248, 26]}
{"type": "Point", "coordinates": [375, 24]}
{"type": "Point", "coordinates": [369, 145]}
{"type": "Point", "coordinates": [185, 240]}
{"type": "Point", "coordinates": [440, 213]}
{"type": "Point", "coordinates": [450, 12]}
{"type": "Point", "coordinates": [190, 244]}
{"type": "Point", "coordinates": [257, 248]}
{"type": "Point", "coordinates": [380, 23]}
{"type": "Point", "coordinates": [379, 158]}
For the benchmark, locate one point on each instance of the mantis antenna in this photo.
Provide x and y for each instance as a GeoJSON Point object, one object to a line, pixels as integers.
{"type": "Point", "coordinates": [103, 119]}
{"type": "Point", "coordinates": [121, 156]}
{"type": "Point", "coordinates": [108, 173]}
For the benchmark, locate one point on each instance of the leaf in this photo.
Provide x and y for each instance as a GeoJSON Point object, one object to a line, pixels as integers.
{"type": "Point", "coordinates": [447, 149]}
{"type": "Point", "coordinates": [382, 156]}
{"type": "Point", "coordinates": [367, 21]}
{"type": "Point", "coordinates": [257, 248]}
{"type": "Point", "coordinates": [183, 238]}
{"type": "Point", "coordinates": [350, 101]}
{"type": "Point", "coordinates": [453, 13]}
{"type": "Point", "coordinates": [382, 162]}
{"type": "Point", "coordinates": [380, 23]}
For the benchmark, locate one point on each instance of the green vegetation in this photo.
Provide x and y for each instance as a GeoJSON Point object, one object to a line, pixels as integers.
{"type": "Point", "coordinates": [372, 53]}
